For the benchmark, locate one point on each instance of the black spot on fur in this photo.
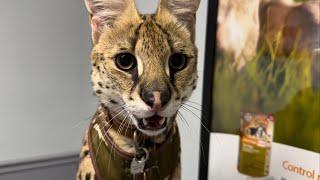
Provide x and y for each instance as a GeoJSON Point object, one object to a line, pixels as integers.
{"type": "Point", "coordinates": [184, 98]}
{"type": "Point", "coordinates": [177, 98]}
{"type": "Point", "coordinates": [79, 176]}
{"type": "Point", "coordinates": [107, 87]}
{"type": "Point", "coordinates": [100, 84]}
{"type": "Point", "coordinates": [101, 57]}
{"type": "Point", "coordinates": [98, 56]}
{"type": "Point", "coordinates": [98, 91]}
{"type": "Point", "coordinates": [113, 101]}
{"type": "Point", "coordinates": [94, 64]}
{"type": "Point", "coordinates": [143, 17]}
{"type": "Point", "coordinates": [170, 40]}
{"type": "Point", "coordinates": [88, 175]}
{"type": "Point", "coordinates": [131, 98]}
{"type": "Point", "coordinates": [194, 87]}
{"type": "Point", "coordinates": [103, 72]}
{"type": "Point", "coordinates": [85, 153]}
{"type": "Point", "coordinates": [98, 67]}
{"type": "Point", "coordinates": [193, 82]}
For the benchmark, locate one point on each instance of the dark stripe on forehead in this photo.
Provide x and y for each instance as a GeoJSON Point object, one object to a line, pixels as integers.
{"type": "Point", "coordinates": [143, 17]}
{"type": "Point", "coordinates": [136, 36]}
{"type": "Point", "coordinates": [135, 74]}
{"type": "Point", "coordinates": [170, 41]}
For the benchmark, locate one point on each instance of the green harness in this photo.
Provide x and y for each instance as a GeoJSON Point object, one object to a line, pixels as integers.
{"type": "Point", "coordinates": [112, 163]}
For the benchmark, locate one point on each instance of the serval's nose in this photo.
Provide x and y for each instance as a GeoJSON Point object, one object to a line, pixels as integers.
{"type": "Point", "coordinates": [156, 99]}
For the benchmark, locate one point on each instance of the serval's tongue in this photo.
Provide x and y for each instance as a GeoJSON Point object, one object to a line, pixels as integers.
{"type": "Point", "coordinates": [154, 118]}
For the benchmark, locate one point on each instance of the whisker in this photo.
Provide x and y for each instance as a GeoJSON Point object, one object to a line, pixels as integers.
{"type": "Point", "coordinates": [185, 108]}
{"type": "Point", "coordinates": [117, 114]}
{"type": "Point", "coordinates": [110, 156]}
{"type": "Point", "coordinates": [183, 118]}
{"type": "Point", "coordinates": [86, 119]}
{"type": "Point", "coordinates": [113, 143]}
{"type": "Point", "coordinates": [101, 140]}
{"type": "Point", "coordinates": [81, 122]}
{"type": "Point", "coordinates": [128, 124]}
{"type": "Point", "coordinates": [201, 110]}
{"type": "Point", "coordinates": [201, 145]}
{"type": "Point", "coordinates": [121, 106]}
{"type": "Point", "coordinates": [121, 126]}
{"type": "Point", "coordinates": [196, 103]}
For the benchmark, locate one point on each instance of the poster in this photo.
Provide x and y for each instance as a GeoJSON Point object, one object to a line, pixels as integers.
{"type": "Point", "coordinates": [265, 60]}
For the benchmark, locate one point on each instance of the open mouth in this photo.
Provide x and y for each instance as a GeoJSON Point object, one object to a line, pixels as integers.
{"type": "Point", "coordinates": [152, 123]}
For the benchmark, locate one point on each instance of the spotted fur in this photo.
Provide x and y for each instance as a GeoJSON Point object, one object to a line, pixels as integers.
{"type": "Point", "coordinates": [117, 27]}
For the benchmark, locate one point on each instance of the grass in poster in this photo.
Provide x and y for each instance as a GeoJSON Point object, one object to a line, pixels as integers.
{"type": "Point", "coordinates": [269, 84]}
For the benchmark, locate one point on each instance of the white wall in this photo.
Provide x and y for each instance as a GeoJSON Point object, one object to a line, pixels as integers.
{"type": "Point", "coordinates": [45, 94]}
{"type": "Point", "coordinates": [191, 134]}
{"type": "Point", "coordinates": [44, 77]}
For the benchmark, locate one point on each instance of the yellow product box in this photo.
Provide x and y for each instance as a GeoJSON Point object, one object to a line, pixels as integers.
{"type": "Point", "coordinates": [256, 135]}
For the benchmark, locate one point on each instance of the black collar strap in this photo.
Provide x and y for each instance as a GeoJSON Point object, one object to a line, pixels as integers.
{"type": "Point", "coordinates": [112, 163]}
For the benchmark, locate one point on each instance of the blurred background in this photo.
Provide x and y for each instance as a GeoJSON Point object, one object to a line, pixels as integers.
{"type": "Point", "coordinates": [46, 98]}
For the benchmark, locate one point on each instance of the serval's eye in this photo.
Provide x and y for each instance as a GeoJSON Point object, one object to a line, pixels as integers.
{"type": "Point", "coordinates": [177, 62]}
{"type": "Point", "coordinates": [125, 61]}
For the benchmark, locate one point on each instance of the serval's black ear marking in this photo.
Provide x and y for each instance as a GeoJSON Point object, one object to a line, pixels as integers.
{"type": "Point", "coordinates": [105, 13]}
{"type": "Point", "coordinates": [183, 10]}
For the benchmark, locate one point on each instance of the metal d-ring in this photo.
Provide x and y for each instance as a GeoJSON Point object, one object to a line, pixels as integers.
{"type": "Point", "coordinates": [140, 149]}
{"type": "Point", "coordinates": [146, 156]}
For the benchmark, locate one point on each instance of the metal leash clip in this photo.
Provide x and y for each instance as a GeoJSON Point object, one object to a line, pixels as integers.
{"type": "Point", "coordinates": [141, 157]}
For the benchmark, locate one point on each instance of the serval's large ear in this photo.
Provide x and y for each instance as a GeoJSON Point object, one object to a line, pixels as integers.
{"type": "Point", "coordinates": [184, 10]}
{"type": "Point", "coordinates": [105, 13]}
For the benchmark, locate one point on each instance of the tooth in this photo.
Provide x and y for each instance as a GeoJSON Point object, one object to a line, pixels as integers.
{"type": "Point", "coordinates": [162, 121]}
{"type": "Point", "coordinates": [145, 122]}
